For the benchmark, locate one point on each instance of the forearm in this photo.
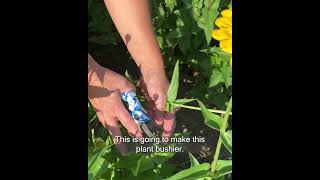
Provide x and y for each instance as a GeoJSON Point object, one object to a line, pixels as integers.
{"type": "Point", "coordinates": [133, 22]}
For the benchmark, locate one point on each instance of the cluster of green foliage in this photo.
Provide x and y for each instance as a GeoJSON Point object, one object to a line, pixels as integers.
{"type": "Point", "coordinates": [106, 163]}
{"type": "Point", "coordinates": [183, 30]}
{"type": "Point", "coordinates": [101, 29]}
{"type": "Point", "coordinates": [184, 33]}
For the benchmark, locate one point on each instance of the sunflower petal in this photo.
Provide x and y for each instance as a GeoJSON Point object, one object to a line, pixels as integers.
{"type": "Point", "coordinates": [227, 13]}
{"type": "Point", "coordinates": [220, 34]}
{"type": "Point", "coordinates": [226, 45]}
{"type": "Point", "coordinates": [224, 23]}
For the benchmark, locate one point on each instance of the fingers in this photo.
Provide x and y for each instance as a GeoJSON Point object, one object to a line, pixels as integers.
{"type": "Point", "coordinates": [128, 122]}
{"type": "Point", "coordinates": [168, 124]}
{"type": "Point", "coordinates": [160, 105]}
{"type": "Point", "coordinates": [150, 109]}
{"type": "Point", "coordinates": [158, 118]}
{"type": "Point", "coordinates": [111, 124]}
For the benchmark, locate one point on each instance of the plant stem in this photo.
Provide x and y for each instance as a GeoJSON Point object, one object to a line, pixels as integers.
{"type": "Point", "coordinates": [141, 98]}
{"type": "Point", "coordinates": [222, 130]}
{"type": "Point", "coordinates": [199, 109]}
{"type": "Point", "coordinates": [94, 117]}
{"type": "Point", "coordinates": [216, 155]}
{"type": "Point", "coordinates": [93, 140]}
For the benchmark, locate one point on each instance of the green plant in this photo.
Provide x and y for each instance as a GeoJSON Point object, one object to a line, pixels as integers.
{"type": "Point", "coordinates": [218, 167]}
{"type": "Point", "coordinates": [105, 162]}
{"type": "Point", "coordinates": [101, 30]}
{"type": "Point", "coordinates": [183, 31]}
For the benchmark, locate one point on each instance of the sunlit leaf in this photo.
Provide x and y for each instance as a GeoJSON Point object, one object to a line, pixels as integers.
{"type": "Point", "coordinates": [212, 120]}
{"type": "Point", "coordinates": [194, 161]}
{"type": "Point", "coordinates": [223, 167]}
{"type": "Point", "coordinates": [174, 84]}
{"type": "Point", "coordinates": [210, 13]}
{"type": "Point", "coordinates": [227, 139]}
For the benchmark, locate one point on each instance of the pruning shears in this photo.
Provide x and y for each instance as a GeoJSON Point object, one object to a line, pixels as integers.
{"type": "Point", "coordinates": [139, 114]}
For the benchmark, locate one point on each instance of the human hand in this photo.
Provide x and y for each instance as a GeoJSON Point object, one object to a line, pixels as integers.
{"type": "Point", "coordinates": [104, 90]}
{"type": "Point", "coordinates": [154, 85]}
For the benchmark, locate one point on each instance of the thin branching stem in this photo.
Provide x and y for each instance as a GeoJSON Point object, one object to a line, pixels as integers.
{"type": "Point", "coordinates": [222, 130]}
{"type": "Point", "coordinates": [198, 108]}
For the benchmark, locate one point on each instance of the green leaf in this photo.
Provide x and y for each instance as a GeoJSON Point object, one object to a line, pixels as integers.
{"type": "Point", "coordinates": [227, 139]}
{"type": "Point", "coordinates": [110, 154]}
{"type": "Point", "coordinates": [176, 33]}
{"type": "Point", "coordinates": [96, 165]}
{"type": "Point", "coordinates": [223, 167]}
{"type": "Point", "coordinates": [144, 163]}
{"type": "Point", "coordinates": [215, 50]}
{"type": "Point", "coordinates": [204, 62]}
{"type": "Point", "coordinates": [161, 157]}
{"type": "Point", "coordinates": [161, 11]}
{"type": "Point", "coordinates": [129, 77]}
{"type": "Point", "coordinates": [179, 22]}
{"type": "Point", "coordinates": [212, 120]}
{"type": "Point", "coordinates": [188, 3]}
{"type": "Point", "coordinates": [196, 12]}
{"type": "Point", "coordinates": [174, 84]}
{"type": "Point", "coordinates": [194, 161]}
{"type": "Point", "coordinates": [166, 170]}
{"type": "Point", "coordinates": [169, 22]}
{"type": "Point", "coordinates": [206, 3]}
{"type": "Point", "coordinates": [111, 174]}
{"type": "Point", "coordinates": [193, 172]}
{"type": "Point", "coordinates": [200, 4]}
{"type": "Point", "coordinates": [185, 43]}
{"type": "Point", "coordinates": [170, 4]}
{"type": "Point", "coordinates": [150, 174]}
{"type": "Point", "coordinates": [129, 161]}
{"type": "Point", "coordinates": [210, 13]}
{"type": "Point", "coordinates": [215, 78]}
{"type": "Point", "coordinates": [227, 75]}
{"type": "Point", "coordinates": [160, 41]}
{"type": "Point", "coordinates": [225, 4]}
{"type": "Point", "coordinates": [198, 41]}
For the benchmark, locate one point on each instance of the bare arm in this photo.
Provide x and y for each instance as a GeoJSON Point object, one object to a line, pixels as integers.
{"type": "Point", "coordinates": [133, 22]}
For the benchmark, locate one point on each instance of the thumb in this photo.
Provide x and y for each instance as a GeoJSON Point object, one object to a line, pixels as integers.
{"type": "Point", "coordinates": [160, 106]}
{"type": "Point", "coordinates": [159, 101]}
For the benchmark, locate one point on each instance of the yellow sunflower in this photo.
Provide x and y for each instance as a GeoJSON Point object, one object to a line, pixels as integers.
{"type": "Point", "coordinates": [224, 33]}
